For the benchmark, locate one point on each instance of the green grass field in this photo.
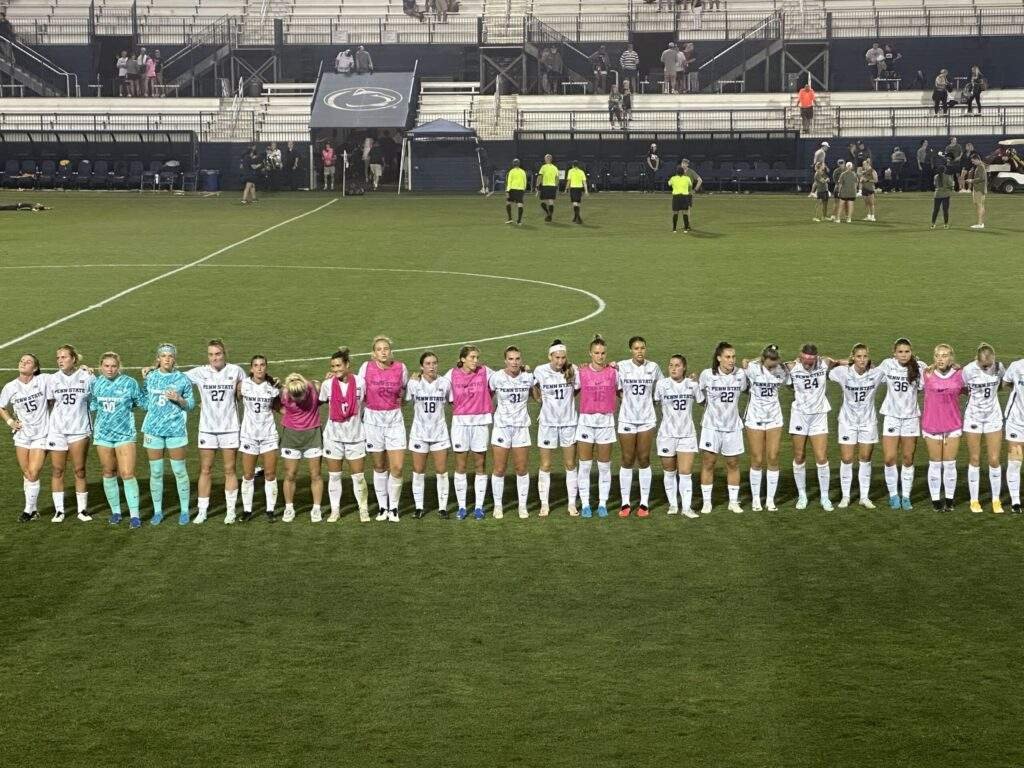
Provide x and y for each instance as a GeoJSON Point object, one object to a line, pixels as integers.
{"type": "Point", "coordinates": [789, 639]}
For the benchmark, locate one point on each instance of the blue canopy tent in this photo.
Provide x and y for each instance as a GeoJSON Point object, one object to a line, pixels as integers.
{"type": "Point", "coordinates": [447, 158]}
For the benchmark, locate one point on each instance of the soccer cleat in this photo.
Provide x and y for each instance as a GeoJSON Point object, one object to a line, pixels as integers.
{"type": "Point", "coordinates": [602, 511]}
{"type": "Point", "coordinates": [443, 514]}
{"type": "Point", "coordinates": [183, 518]}
{"type": "Point", "coordinates": [844, 502]}
{"type": "Point", "coordinates": [673, 510]}
{"type": "Point", "coordinates": [867, 503]}
{"type": "Point", "coordinates": [1015, 508]}
{"type": "Point", "coordinates": [58, 517]}
{"type": "Point", "coordinates": [573, 512]}
{"type": "Point", "coordinates": [200, 519]}
{"type": "Point", "coordinates": [977, 226]}
{"type": "Point", "coordinates": [418, 514]}
{"type": "Point", "coordinates": [315, 516]}
{"type": "Point", "coordinates": [755, 505]}
{"type": "Point", "coordinates": [523, 513]}
{"type": "Point", "coordinates": [115, 519]}
{"type": "Point", "coordinates": [826, 504]}
{"type": "Point", "coordinates": [624, 512]}
{"type": "Point", "coordinates": [498, 513]}
{"type": "Point", "coordinates": [770, 507]}
{"type": "Point", "coordinates": [689, 513]}
{"type": "Point", "coordinates": [905, 503]}
{"type": "Point", "coordinates": [544, 509]}
{"type": "Point", "coordinates": [270, 515]}
{"type": "Point", "coordinates": [706, 509]}
{"type": "Point", "coordinates": [815, 219]}
{"type": "Point", "coordinates": [997, 506]}
{"type": "Point", "coordinates": [801, 502]}
{"type": "Point", "coordinates": [393, 516]}
{"type": "Point", "coordinates": [509, 221]}
{"type": "Point", "coordinates": [364, 515]}
{"type": "Point", "coordinates": [586, 512]}
{"type": "Point", "coordinates": [938, 506]}
{"type": "Point", "coordinates": [288, 516]}
{"type": "Point", "coordinates": [334, 517]}
{"type": "Point", "coordinates": [27, 517]}
{"type": "Point", "coordinates": [246, 516]}
{"type": "Point", "coordinates": [478, 513]}
{"type": "Point", "coordinates": [134, 523]}
{"type": "Point", "coordinates": [84, 517]}
{"type": "Point", "coordinates": [894, 502]}
{"type": "Point", "coordinates": [229, 518]}
{"type": "Point", "coordinates": [734, 506]}
{"type": "Point", "coordinates": [156, 519]}
{"type": "Point", "coordinates": [462, 513]}
{"type": "Point", "coordinates": [975, 506]}
{"type": "Point", "coordinates": [643, 511]}
{"type": "Point", "coordinates": [382, 516]}
{"type": "Point", "coordinates": [948, 505]}
{"type": "Point", "coordinates": [932, 226]}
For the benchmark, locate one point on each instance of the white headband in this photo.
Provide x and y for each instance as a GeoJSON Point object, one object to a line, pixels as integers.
{"type": "Point", "coordinates": [556, 348]}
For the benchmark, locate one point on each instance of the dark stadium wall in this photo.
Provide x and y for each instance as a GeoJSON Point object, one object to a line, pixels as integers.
{"type": "Point", "coordinates": [455, 62]}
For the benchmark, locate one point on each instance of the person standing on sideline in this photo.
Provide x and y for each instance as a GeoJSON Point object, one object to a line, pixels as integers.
{"type": "Point", "coordinates": [696, 181]}
{"type": "Point", "coordinates": [682, 195]}
{"type": "Point", "coordinates": [954, 160]}
{"type": "Point", "coordinates": [819, 189]}
{"type": "Point", "coordinates": [329, 159]}
{"type": "Point", "coordinates": [979, 188]}
{"type": "Point", "coordinates": [670, 62]}
{"type": "Point", "coordinates": [836, 173]}
{"type": "Point", "coordinates": [576, 182]}
{"type": "Point", "coordinates": [805, 99]}
{"type": "Point", "coordinates": [652, 163]}
{"type": "Point", "coordinates": [515, 188]}
{"type": "Point", "coordinates": [943, 189]}
{"type": "Point", "coordinates": [629, 61]}
{"type": "Point", "coordinates": [868, 178]}
{"type": "Point", "coordinates": [924, 166]}
{"type": "Point", "coordinates": [547, 187]}
{"type": "Point", "coordinates": [820, 155]}
{"type": "Point", "coordinates": [846, 191]}
{"type": "Point", "coordinates": [898, 161]}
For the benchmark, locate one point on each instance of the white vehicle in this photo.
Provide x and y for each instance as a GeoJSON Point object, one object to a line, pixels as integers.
{"type": "Point", "coordinates": [1001, 176]}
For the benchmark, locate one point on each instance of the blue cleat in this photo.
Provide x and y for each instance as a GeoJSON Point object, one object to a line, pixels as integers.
{"type": "Point", "coordinates": [183, 518]}
{"type": "Point", "coordinates": [478, 514]}
{"type": "Point", "coordinates": [115, 519]}
{"type": "Point", "coordinates": [585, 512]}
{"type": "Point", "coordinates": [135, 522]}
{"type": "Point", "coordinates": [906, 503]}
{"type": "Point", "coordinates": [602, 511]}
{"type": "Point", "coordinates": [462, 513]}
{"type": "Point", "coordinates": [156, 519]}
{"type": "Point", "coordinates": [894, 502]}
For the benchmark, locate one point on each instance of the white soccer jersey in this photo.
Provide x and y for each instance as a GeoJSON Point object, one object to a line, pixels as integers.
{"type": "Point", "coordinates": [763, 405]}
{"type": "Point", "coordinates": [28, 404]}
{"type": "Point", "coordinates": [217, 395]}
{"type": "Point", "coordinates": [901, 396]}
{"type": "Point", "coordinates": [557, 404]}
{"type": "Point", "coordinates": [1014, 376]}
{"type": "Point", "coordinates": [511, 397]}
{"type": "Point", "coordinates": [983, 386]}
{"type": "Point", "coordinates": [258, 410]}
{"type": "Point", "coordinates": [636, 383]}
{"type": "Point", "coordinates": [677, 399]}
{"type": "Point", "coordinates": [350, 431]}
{"type": "Point", "coordinates": [428, 399]}
{"type": "Point", "coordinates": [809, 393]}
{"type": "Point", "coordinates": [722, 399]}
{"type": "Point", "coordinates": [70, 395]}
{"type": "Point", "coordinates": [859, 390]}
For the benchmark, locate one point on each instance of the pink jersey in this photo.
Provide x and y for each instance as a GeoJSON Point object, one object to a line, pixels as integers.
{"type": "Point", "coordinates": [384, 386]}
{"type": "Point", "coordinates": [942, 403]}
{"type": "Point", "coordinates": [597, 389]}
{"type": "Point", "coordinates": [470, 394]}
{"type": "Point", "coordinates": [301, 414]}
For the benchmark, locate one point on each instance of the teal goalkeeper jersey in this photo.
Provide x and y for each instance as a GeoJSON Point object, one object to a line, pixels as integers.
{"type": "Point", "coordinates": [114, 402]}
{"type": "Point", "coordinates": [165, 418]}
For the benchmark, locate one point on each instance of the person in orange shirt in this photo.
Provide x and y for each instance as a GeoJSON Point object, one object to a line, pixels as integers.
{"type": "Point", "coordinates": [805, 99]}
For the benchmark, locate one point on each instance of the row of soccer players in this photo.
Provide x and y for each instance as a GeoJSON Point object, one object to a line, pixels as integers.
{"type": "Point", "coordinates": [59, 412]}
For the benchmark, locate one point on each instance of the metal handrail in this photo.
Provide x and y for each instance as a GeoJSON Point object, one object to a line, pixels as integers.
{"type": "Point", "coordinates": [204, 36]}
{"type": "Point", "coordinates": [57, 71]}
{"type": "Point", "coordinates": [775, 18]}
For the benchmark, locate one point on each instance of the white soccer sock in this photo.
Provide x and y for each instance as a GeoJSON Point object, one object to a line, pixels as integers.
{"type": "Point", "coordinates": [82, 497]}
{"type": "Point", "coordinates": [949, 478]}
{"type": "Point", "coordinates": [892, 480]}
{"type": "Point", "coordinates": [734, 493]}
{"type": "Point", "coordinates": [479, 491]}
{"type": "Point", "coordinates": [248, 491]}
{"type": "Point", "coordinates": [973, 481]}
{"type": "Point", "coordinates": [824, 479]}
{"type": "Point", "coordinates": [995, 481]}
{"type": "Point", "coordinates": [705, 491]}
{"type": "Point", "coordinates": [604, 482]}
{"type": "Point", "coordinates": [543, 486]}
{"type": "Point", "coordinates": [359, 490]}
{"type": "Point", "coordinates": [231, 500]}
{"type": "Point", "coordinates": [935, 479]}
{"type": "Point", "coordinates": [498, 490]}
{"type": "Point", "coordinates": [270, 492]}
{"type": "Point", "coordinates": [645, 486]}
{"type": "Point", "coordinates": [571, 483]}
{"type": "Point", "coordinates": [31, 489]}
{"type": "Point", "coordinates": [442, 491]}
{"type": "Point", "coordinates": [58, 501]}
{"type": "Point", "coordinates": [394, 491]}
{"type": "Point", "coordinates": [626, 486]}
{"type": "Point", "coordinates": [583, 481]}
{"type": "Point", "coordinates": [772, 485]}
{"type": "Point", "coordinates": [800, 478]}
{"type": "Point", "coordinates": [686, 490]}
{"type": "Point", "coordinates": [1013, 480]}
{"type": "Point", "coordinates": [755, 483]}
{"type": "Point", "coordinates": [846, 478]}
{"type": "Point", "coordinates": [864, 479]}
{"type": "Point", "coordinates": [418, 483]}
{"type": "Point", "coordinates": [203, 504]}
{"type": "Point", "coordinates": [380, 489]}
{"type": "Point", "coordinates": [334, 490]}
{"type": "Point", "coordinates": [671, 487]}
{"type": "Point", "coordinates": [907, 480]}
{"type": "Point", "coordinates": [523, 489]}
{"type": "Point", "coordinates": [461, 484]}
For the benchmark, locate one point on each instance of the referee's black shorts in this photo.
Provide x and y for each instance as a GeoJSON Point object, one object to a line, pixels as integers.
{"type": "Point", "coordinates": [681, 202]}
{"type": "Point", "coordinates": [515, 195]}
{"type": "Point", "coordinates": [548, 193]}
{"type": "Point", "coordinates": [576, 194]}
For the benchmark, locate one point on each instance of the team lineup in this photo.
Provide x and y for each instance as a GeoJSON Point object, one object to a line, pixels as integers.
{"type": "Point", "coordinates": [585, 409]}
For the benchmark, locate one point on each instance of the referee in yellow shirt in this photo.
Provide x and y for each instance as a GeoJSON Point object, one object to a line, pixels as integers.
{"type": "Point", "coordinates": [576, 183]}
{"type": "Point", "coordinates": [682, 196]}
{"type": "Point", "coordinates": [515, 186]}
{"type": "Point", "coordinates": [547, 186]}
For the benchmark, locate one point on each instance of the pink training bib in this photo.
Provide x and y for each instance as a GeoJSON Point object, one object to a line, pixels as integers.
{"type": "Point", "coordinates": [597, 390]}
{"type": "Point", "coordinates": [384, 386]}
{"type": "Point", "coordinates": [942, 403]}
{"type": "Point", "coordinates": [470, 394]}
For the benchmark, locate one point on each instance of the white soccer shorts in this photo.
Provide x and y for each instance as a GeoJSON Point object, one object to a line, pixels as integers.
{"type": "Point", "coordinates": [556, 437]}
{"type": "Point", "coordinates": [470, 437]}
{"type": "Point", "coordinates": [808, 424]}
{"type": "Point", "coordinates": [57, 441]}
{"type": "Point", "coordinates": [670, 446]}
{"type": "Point", "coordinates": [380, 439]}
{"type": "Point", "coordinates": [723, 443]}
{"type": "Point", "coordinates": [211, 441]}
{"type": "Point", "coordinates": [595, 435]}
{"type": "Point", "coordinates": [510, 437]}
{"type": "Point", "coordinates": [896, 427]}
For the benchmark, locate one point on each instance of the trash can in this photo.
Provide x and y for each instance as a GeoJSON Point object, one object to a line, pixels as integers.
{"type": "Point", "coordinates": [211, 180]}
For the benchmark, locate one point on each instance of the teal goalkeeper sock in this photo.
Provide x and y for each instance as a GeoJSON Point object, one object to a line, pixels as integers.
{"type": "Point", "coordinates": [131, 495]}
{"type": "Point", "coordinates": [113, 495]}
{"type": "Point", "coordinates": [156, 485]}
{"type": "Point", "coordinates": [181, 480]}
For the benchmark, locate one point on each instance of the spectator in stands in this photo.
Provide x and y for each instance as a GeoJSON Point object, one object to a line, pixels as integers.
{"type": "Point", "coordinates": [557, 68]}
{"type": "Point", "coordinates": [545, 70]}
{"type": "Point", "coordinates": [132, 72]}
{"type": "Point", "coordinates": [287, 166]}
{"type": "Point", "coordinates": [805, 98]}
{"type": "Point", "coordinates": [150, 77]}
{"type": "Point", "coordinates": [364, 64]}
{"type": "Point", "coordinates": [924, 166]}
{"type": "Point", "coordinates": [670, 62]}
{"type": "Point", "coordinates": [274, 164]}
{"type": "Point", "coordinates": [692, 74]}
{"type": "Point", "coordinates": [898, 162]}
{"type": "Point", "coordinates": [328, 158]}
{"type": "Point", "coordinates": [7, 32]}
{"type": "Point", "coordinates": [141, 67]}
{"type": "Point", "coordinates": [627, 103]}
{"type": "Point", "coordinates": [940, 95]}
{"type": "Point", "coordinates": [443, 6]}
{"type": "Point", "coordinates": [158, 66]}
{"type": "Point", "coordinates": [124, 85]}
{"type": "Point", "coordinates": [343, 62]}
{"type": "Point", "coordinates": [680, 71]}
{"type": "Point", "coordinates": [874, 58]}
{"type": "Point", "coordinates": [975, 85]}
{"type": "Point", "coordinates": [697, 12]}
{"type": "Point", "coordinates": [409, 9]}
{"type": "Point", "coordinates": [615, 107]}
{"type": "Point", "coordinates": [599, 60]}
{"type": "Point", "coordinates": [629, 62]}
{"type": "Point", "coordinates": [652, 163]}
{"type": "Point", "coordinates": [891, 70]}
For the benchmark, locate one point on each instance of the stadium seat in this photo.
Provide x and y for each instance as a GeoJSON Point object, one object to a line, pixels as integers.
{"type": "Point", "coordinates": [10, 171]}
{"type": "Point", "coordinates": [82, 177]}
{"type": "Point", "coordinates": [135, 171]}
{"type": "Point", "coordinates": [47, 174]}
{"type": "Point", "coordinates": [100, 175]}
{"type": "Point", "coordinates": [119, 176]}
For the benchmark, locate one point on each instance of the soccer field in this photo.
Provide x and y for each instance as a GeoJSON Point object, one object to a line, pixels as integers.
{"type": "Point", "coordinates": [851, 638]}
